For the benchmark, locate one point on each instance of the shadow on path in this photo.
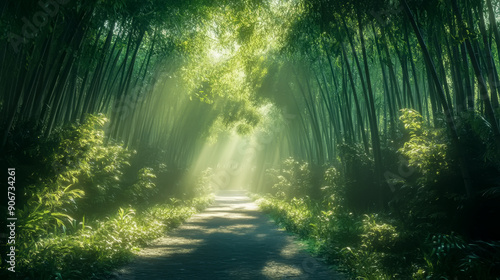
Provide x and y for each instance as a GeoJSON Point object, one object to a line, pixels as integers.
{"type": "Point", "coordinates": [229, 240]}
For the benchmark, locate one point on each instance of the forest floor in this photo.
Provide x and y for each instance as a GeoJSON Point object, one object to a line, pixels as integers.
{"type": "Point", "coordinates": [231, 239]}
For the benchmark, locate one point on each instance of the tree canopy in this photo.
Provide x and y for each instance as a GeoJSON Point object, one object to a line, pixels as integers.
{"type": "Point", "coordinates": [281, 91]}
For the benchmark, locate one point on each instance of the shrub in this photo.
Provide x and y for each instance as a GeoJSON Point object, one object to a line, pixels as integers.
{"type": "Point", "coordinates": [144, 188]}
{"type": "Point", "coordinates": [377, 235]}
{"type": "Point", "coordinates": [333, 191]}
{"type": "Point", "coordinates": [358, 174]}
{"type": "Point", "coordinates": [92, 165]}
{"type": "Point", "coordinates": [204, 185]}
{"type": "Point", "coordinates": [292, 180]}
{"type": "Point", "coordinates": [295, 215]}
{"type": "Point", "coordinates": [85, 179]}
{"type": "Point", "coordinates": [426, 148]}
{"type": "Point", "coordinates": [99, 246]}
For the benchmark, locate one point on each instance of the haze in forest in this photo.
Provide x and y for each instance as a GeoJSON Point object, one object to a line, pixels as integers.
{"type": "Point", "coordinates": [369, 128]}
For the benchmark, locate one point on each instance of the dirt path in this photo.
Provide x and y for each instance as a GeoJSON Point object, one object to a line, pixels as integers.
{"type": "Point", "coordinates": [229, 240]}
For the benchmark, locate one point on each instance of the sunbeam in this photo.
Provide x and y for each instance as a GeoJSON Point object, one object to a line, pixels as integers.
{"type": "Point", "coordinates": [368, 129]}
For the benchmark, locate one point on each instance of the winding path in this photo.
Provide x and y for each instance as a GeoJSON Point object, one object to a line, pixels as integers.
{"type": "Point", "coordinates": [229, 240]}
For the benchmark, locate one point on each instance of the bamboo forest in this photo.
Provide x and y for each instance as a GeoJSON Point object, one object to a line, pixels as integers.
{"type": "Point", "coordinates": [250, 139]}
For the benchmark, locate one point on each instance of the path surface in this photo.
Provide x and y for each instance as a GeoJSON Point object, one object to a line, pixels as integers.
{"type": "Point", "coordinates": [229, 240]}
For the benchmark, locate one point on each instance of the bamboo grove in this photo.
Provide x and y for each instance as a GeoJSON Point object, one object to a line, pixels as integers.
{"type": "Point", "coordinates": [390, 93]}
{"type": "Point", "coordinates": [452, 69]}
{"type": "Point", "coordinates": [356, 65]}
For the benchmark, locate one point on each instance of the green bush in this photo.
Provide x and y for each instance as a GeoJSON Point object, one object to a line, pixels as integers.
{"type": "Point", "coordinates": [449, 256]}
{"type": "Point", "coordinates": [144, 188]}
{"type": "Point", "coordinates": [295, 215]}
{"type": "Point", "coordinates": [374, 247]}
{"type": "Point", "coordinates": [358, 177]}
{"type": "Point", "coordinates": [203, 184]}
{"type": "Point", "coordinates": [377, 235]}
{"type": "Point", "coordinates": [410, 239]}
{"type": "Point", "coordinates": [292, 180]}
{"type": "Point", "coordinates": [99, 246]}
{"type": "Point", "coordinates": [85, 178]}
{"type": "Point", "coordinates": [426, 148]}
{"type": "Point", "coordinates": [90, 164]}
{"type": "Point", "coordinates": [482, 260]}
{"type": "Point", "coordinates": [333, 191]}
{"type": "Point", "coordinates": [433, 184]}
{"type": "Point", "coordinates": [360, 245]}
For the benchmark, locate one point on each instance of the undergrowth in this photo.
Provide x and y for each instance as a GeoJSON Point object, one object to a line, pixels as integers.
{"type": "Point", "coordinates": [372, 247]}
{"type": "Point", "coordinates": [419, 224]}
{"type": "Point", "coordinates": [88, 203]}
{"type": "Point", "coordinates": [94, 249]}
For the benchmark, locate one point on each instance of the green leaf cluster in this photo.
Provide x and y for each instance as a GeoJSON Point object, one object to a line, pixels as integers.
{"type": "Point", "coordinates": [426, 148]}
{"type": "Point", "coordinates": [94, 248]}
{"type": "Point", "coordinates": [292, 180]}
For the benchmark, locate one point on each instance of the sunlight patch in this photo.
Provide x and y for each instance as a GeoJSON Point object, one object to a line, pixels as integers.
{"type": "Point", "coordinates": [275, 269]}
{"type": "Point", "coordinates": [289, 251]}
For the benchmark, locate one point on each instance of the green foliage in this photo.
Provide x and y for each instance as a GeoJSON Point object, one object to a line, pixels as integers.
{"type": "Point", "coordinates": [87, 180]}
{"type": "Point", "coordinates": [385, 245]}
{"type": "Point", "coordinates": [364, 264]}
{"type": "Point", "coordinates": [144, 188]}
{"type": "Point", "coordinates": [44, 211]}
{"type": "Point", "coordinates": [482, 153]}
{"type": "Point", "coordinates": [479, 138]}
{"type": "Point", "coordinates": [430, 178]}
{"type": "Point", "coordinates": [446, 251]}
{"type": "Point", "coordinates": [448, 256]}
{"type": "Point", "coordinates": [91, 164]}
{"type": "Point", "coordinates": [335, 223]}
{"type": "Point", "coordinates": [426, 148]}
{"type": "Point", "coordinates": [334, 190]}
{"type": "Point", "coordinates": [85, 176]}
{"type": "Point", "coordinates": [373, 247]}
{"type": "Point", "coordinates": [361, 245]}
{"type": "Point", "coordinates": [84, 167]}
{"type": "Point", "coordinates": [358, 173]}
{"type": "Point", "coordinates": [203, 186]}
{"type": "Point", "coordinates": [99, 246]}
{"type": "Point", "coordinates": [377, 235]}
{"type": "Point", "coordinates": [295, 215]}
{"type": "Point", "coordinates": [373, 257]}
{"type": "Point", "coordinates": [482, 260]}
{"type": "Point", "coordinates": [293, 180]}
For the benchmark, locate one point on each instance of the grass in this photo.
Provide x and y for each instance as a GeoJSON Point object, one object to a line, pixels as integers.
{"type": "Point", "coordinates": [359, 246]}
{"type": "Point", "coordinates": [93, 250]}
